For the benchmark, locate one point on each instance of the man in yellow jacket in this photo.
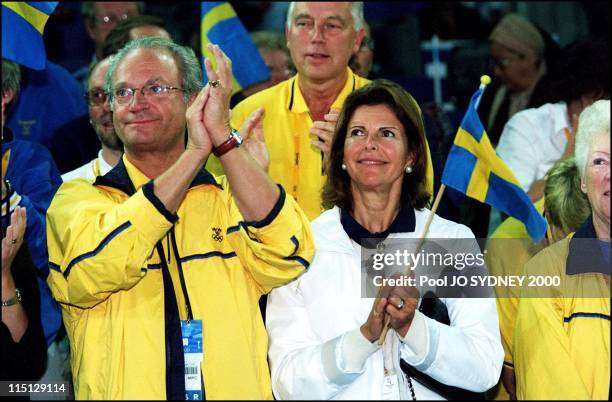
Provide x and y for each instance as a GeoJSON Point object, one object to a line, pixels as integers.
{"type": "Point", "coordinates": [158, 265]}
{"type": "Point", "coordinates": [301, 112]}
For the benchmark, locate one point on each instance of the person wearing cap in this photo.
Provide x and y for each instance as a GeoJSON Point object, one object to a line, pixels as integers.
{"type": "Point", "coordinates": [517, 50]}
{"type": "Point", "coordinates": [535, 138]}
{"type": "Point", "coordinates": [520, 57]}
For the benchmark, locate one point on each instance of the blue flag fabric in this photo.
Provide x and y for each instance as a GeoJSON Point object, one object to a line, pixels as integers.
{"type": "Point", "coordinates": [221, 25]}
{"type": "Point", "coordinates": [23, 23]}
{"type": "Point", "coordinates": [474, 168]}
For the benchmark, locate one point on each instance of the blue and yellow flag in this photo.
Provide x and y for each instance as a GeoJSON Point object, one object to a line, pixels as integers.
{"type": "Point", "coordinates": [221, 25]}
{"type": "Point", "coordinates": [23, 23]}
{"type": "Point", "coordinates": [474, 168]}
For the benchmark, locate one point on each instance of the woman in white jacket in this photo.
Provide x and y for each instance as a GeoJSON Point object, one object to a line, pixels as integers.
{"type": "Point", "coordinates": [323, 332]}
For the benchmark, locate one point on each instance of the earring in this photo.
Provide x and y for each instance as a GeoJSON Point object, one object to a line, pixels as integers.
{"type": "Point", "coordinates": [343, 166]}
{"type": "Point", "coordinates": [408, 169]}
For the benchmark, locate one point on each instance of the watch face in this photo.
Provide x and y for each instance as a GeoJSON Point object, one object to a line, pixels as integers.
{"type": "Point", "coordinates": [237, 135]}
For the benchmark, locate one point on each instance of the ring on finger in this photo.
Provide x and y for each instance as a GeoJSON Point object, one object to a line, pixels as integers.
{"type": "Point", "coordinates": [401, 304]}
{"type": "Point", "coordinates": [215, 83]}
{"type": "Point", "coordinates": [13, 241]}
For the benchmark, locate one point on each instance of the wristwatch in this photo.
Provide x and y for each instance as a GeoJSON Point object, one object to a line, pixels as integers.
{"type": "Point", "coordinates": [232, 142]}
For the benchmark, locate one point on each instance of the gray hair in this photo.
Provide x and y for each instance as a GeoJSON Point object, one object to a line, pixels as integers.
{"type": "Point", "coordinates": [189, 67]}
{"type": "Point", "coordinates": [594, 122]}
{"type": "Point", "coordinates": [11, 78]}
{"type": "Point", "coordinates": [356, 12]}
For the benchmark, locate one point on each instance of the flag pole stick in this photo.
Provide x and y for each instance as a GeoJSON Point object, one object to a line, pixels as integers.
{"type": "Point", "coordinates": [484, 81]}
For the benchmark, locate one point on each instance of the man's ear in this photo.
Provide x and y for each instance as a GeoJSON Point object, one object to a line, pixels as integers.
{"type": "Point", "coordinates": [7, 96]}
{"type": "Point", "coordinates": [358, 39]}
{"type": "Point", "coordinates": [89, 27]}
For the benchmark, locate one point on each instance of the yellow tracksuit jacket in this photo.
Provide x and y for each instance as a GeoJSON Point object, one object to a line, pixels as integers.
{"type": "Point", "coordinates": [115, 255]}
{"type": "Point", "coordinates": [562, 335]}
{"type": "Point", "coordinates": [507, 251]}
{"type": "Point", "coordinates": [294, 162]}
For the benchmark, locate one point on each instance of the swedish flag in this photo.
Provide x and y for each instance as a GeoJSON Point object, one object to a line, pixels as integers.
{"type": "Point", "coordinates": [221, 25]}
{"type": "Point", "coordinates": [474, 168]}
{"type": "Point", "coordinates": [23, 23]}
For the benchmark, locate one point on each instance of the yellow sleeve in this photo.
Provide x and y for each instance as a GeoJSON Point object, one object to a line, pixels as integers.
{"type": "Point", "coordinates": [507, 257]}
{"type": "Point", "coordinates": [98, 245]}
{"type": "Point", "coordinates": [276, 249]}
{"type": "Point", "coordinates": [543, 365]}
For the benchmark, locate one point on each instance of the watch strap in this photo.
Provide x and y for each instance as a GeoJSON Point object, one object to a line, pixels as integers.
{"type": "Point", "coordinates": [226, 146]}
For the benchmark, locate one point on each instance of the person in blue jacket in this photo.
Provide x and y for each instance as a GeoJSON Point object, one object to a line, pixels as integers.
{"type": "Point", "coordinates": [49, 99]}
{"type": "Point", "coordinates": [29, 179]}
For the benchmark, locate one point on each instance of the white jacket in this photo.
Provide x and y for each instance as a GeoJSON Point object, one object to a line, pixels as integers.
{"type": "Point", "coordinates": [318, 352]}
{"type": "Point", "coordinates": [533, 140]}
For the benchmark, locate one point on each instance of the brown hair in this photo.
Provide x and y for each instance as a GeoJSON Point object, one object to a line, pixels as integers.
{"type": "Point", "coordinates": [337, 190]}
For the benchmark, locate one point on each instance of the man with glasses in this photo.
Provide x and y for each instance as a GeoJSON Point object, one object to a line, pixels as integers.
{"type": "Point", "coordinates": [158, 265]}
{"type": "Point", "coordinates": [100, 17]}
{"type": "Point", "coordinates": [101, 119]}
{"type": "Point", "coordinates": [78, 141]}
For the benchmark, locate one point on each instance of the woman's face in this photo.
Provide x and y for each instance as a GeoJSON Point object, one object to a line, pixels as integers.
{"type": "Point", "coordinates": [516, 71]}
{"type": "Point", "coordinates": [376, 149]}
{"type": "Point", "coordinates": [596, 179]}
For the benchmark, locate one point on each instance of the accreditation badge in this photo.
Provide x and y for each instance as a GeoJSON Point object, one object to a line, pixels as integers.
{"type": "Point", "coordinates": [194, 353]}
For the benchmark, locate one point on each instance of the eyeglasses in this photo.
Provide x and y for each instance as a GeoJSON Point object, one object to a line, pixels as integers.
{"type": "Point", "coordinates": [95, 97]}
{"type": "Point", "coordinates": [107, 19]}
{"type": "Point", "coordinates": [124, 95]}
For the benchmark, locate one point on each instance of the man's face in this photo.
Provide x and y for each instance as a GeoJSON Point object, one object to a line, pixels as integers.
{"type": "Point", "coordinates": [516, 71]}
{"type": "Point", "coordinates": [149, 123]}
{"type": "Point", "coordinates": [321, 39]}
{"type": "Point", "coordinates": [106, 16]}
{"type": "Point", "coordinates": [100, 115]}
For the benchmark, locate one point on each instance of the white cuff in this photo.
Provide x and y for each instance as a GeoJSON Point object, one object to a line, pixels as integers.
{"type": "Point", "coordinates": [355, 351]}
{"type": "Point", "coordinates": [415, 341]}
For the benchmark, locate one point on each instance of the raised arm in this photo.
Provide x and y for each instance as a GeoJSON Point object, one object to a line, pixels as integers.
{"type": "Point", "coordinates": [254, 191]}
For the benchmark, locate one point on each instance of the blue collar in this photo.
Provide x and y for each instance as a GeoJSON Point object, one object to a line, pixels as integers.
{"type": "Point", "coordinates": [404, 222]}
{"type": "Point", "coordinates": [118, 178]}
{"type": "Point", "coordinates": [587, 254]}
